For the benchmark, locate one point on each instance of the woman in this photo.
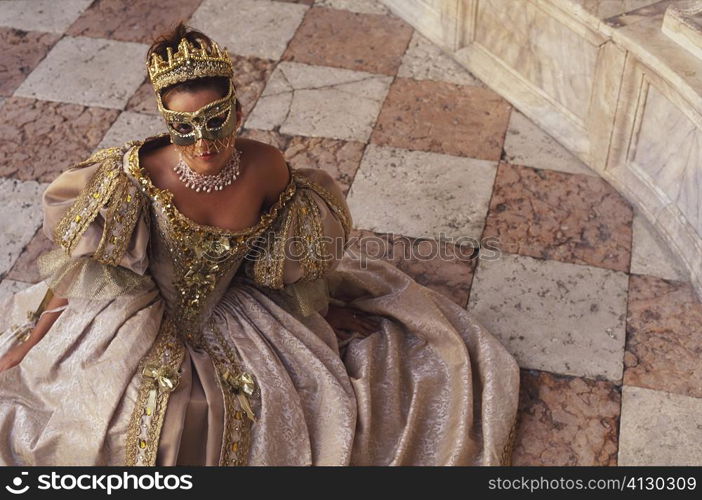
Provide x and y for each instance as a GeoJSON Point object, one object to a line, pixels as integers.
{"type": "Point", "coordinates": [197, 307]}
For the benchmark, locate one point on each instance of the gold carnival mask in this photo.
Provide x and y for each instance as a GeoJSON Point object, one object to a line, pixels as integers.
{"type": "Point", "coordinates": [214, 122]}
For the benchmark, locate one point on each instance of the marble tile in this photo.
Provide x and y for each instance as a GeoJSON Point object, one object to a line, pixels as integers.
{"type": "Point", "coordinates": [442, 266]}
{"type": "Point", "coordinates": [651, 256]}
{"type": "Point", "coordinates": [20, 52]}
{"type": "Point", "coordinates": [40, 139]}
{"type": "Point", "coordinates": [554, 316]}
{"type": "Point", "coordinates": [567, 217]}
{"type": "Point", "coordinates": [83, 71]}
{"type": "Point", "coordinates": [250, 78]}
{"type": "Point", "coordinates": [316, 101]}
{"type": "Point", "coordinates": [566, 421]}
{"type": "Point", "coordinates": [20, 218]}
{"type": "Point", "coordinates": [254, 28]}
{"type": "Point", "coordinates": [424, 60]}
{"type": "Point", "coordinates": [143, 100]}
{"type": "Point", "coordinates": [339, 158]}
{"type": "Point", "coordinates": [526, 144]}
{"type": "Point", "coordinates": [420, 194]}
{"type": "Point", "coordinates": [343, 39]}
{"type": "Point", "coordinates": [360, 6]}
{"type": "Point", "coordinates": [443, 117]}
{"type": "Point", "coordinates": [10, 287]}
{"type": "Point", "coordinates": [25, 268]}
{"type": "Point", "coordinates": [42, 15]}
{"type": "Point", "coordinates": [659, 429]}
{"type": "Point", "coordinates": [131, 126]}
{"type": "Point", "coordinates": [664, 336]}
{"type": "Point", "coordinates": [132, 20]}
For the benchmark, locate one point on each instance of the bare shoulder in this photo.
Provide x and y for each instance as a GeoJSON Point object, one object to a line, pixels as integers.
{"type": "Point", "coordinates": [271, 169]}
{"type": "Point", "coordinates": [153, 155]}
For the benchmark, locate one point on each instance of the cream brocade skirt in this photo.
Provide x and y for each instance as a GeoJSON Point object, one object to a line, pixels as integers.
{"type": "Point", "coordinates": [431, 387]}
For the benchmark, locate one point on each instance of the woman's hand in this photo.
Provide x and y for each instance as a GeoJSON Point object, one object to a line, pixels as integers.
{"type": "Point", "coordinates": [51, 307]}
{"type": "Point", "coordinates": [14, 356]}
{"type": "Point", "coordinates": [346, 321]}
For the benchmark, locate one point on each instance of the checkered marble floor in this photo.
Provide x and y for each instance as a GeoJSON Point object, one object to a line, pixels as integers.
{"type": "Point", "coordinates": [570, 277]}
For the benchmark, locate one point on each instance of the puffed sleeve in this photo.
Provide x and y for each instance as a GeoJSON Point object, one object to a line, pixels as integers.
{"type": "Point", "coordinates": [96, 217]}
{"type": "Point", "coordinates": [304, 243]}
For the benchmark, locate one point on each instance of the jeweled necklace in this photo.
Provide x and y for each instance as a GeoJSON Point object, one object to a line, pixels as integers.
{"type": "Point", "coordinates": [207, 183]}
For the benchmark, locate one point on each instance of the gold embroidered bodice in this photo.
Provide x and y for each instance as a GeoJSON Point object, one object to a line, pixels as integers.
{"type": "Point", "coordinates": [193, 263]}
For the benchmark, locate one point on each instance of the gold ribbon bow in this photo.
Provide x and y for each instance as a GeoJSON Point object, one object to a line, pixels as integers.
{"type": "Point", "coordinates": [165, 376]}
{"type": "Point", "coordinates": [241, 384]}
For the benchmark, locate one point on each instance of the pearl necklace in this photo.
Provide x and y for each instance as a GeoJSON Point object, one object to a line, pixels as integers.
{"type": "Point", "coordinates": [207, 183]}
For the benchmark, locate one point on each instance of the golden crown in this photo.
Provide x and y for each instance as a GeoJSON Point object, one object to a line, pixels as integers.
{"type": "Point", "coordinates": [189, 62]}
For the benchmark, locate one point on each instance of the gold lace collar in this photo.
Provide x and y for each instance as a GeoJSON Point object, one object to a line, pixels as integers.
{"type": "Point", "coordinates": [165, 197]}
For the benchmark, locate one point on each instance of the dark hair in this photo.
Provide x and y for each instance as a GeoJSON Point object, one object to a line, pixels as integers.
{"type": "Point", "coordinates": [171, 39]}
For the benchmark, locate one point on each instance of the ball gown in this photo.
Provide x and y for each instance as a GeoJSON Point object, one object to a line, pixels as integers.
{"type": "Point", "coordinates": [188, 344]}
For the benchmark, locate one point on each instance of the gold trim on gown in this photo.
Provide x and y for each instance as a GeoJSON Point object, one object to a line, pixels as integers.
{"type": "Point", "coordinates": [191, 344]}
